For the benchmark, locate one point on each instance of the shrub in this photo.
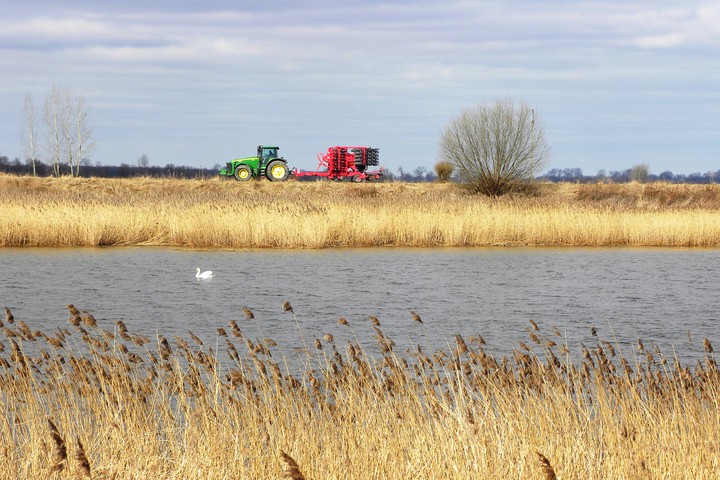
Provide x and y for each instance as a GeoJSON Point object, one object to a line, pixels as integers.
{"type": "Point", "coordinates": [495, 148]}
{"type": "Point", "coordinates": [444, 170]}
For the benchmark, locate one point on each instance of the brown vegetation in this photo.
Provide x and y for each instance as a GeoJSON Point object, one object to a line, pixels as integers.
{"type": "Point", "coordinates": [98, 402]}
{"type": "Point", "coordinates": [227, 214]}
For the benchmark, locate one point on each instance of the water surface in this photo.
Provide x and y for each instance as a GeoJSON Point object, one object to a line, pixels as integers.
{"type": "Point", "coordinates": [667, 297]}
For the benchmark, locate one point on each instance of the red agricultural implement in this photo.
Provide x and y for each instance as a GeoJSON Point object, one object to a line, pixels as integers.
{"type": "Point", "coordinates": [346, 163]}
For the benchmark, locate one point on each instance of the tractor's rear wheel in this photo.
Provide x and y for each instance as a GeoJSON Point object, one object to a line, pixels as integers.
{"type": "Point", "coordinates": [277, 171]}
{"type": "Point", "coordinates": [243, 173]}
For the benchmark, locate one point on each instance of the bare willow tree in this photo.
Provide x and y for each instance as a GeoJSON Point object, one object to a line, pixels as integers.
{"type": "Point", "coordinates": [53, 114]}
{"type": "Point", "coordinates": [495, 148]}
{"type": "Point", "coordinates": [29, 139]}
{"type": "Point", "coordinates": [84, 143]}
{"type": "Point", "coordinates": [67, 131]}
{"type": "Point", "coordinates": [640, 173]}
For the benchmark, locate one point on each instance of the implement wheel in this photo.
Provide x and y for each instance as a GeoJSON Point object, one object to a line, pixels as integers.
{"type": "Point", "coordinates": [277, 171]}
{"type": "Point", "coordinates": [243, 173]}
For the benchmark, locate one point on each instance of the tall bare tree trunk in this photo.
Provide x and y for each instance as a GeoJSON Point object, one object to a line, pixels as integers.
{"type": "Point", "coordinates": [83, 133]}
{"type": "Point", "coordinates": [30, 135]}
{"type": "Point", "coordinates": [67, 124]}
{"type": "Point", "coordinates": [52, 112]}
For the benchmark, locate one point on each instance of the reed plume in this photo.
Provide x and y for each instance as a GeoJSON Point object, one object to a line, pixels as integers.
{"type": "Point", "coordinates": [150, 418]}
{"type": "Point", "coordinates": [83, 462]}
{"type": "Point", "coordinates": [548, 470]}
{"type": "Point", "coordinates": [292, 469]}
{"type": "Point", "coordinates": [99, 212]}
{"type": "Point", "coordinates": [88, 319]}
{"type": "Point", "coordinates": [59, 460]}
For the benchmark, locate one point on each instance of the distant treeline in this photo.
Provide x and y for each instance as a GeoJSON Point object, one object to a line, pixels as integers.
{"type": "Point", "coordinates": [576, 175]}
{"type": "Point", "coordinates": [124, 170]}
{"type": "Point", "coordinates": [420, 174]}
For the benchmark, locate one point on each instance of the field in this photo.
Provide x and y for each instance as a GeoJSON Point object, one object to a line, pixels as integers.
{"type": "Point", "coordinates": [226, 214]}
{"type": "Point", "coordinates": [96, 400]}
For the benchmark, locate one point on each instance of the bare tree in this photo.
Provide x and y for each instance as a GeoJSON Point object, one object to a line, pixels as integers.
{"type": "Point", "coordinates": [495, 148]}
{"type": "Point", "coordinates": [67, 116]}
{"type": "Point", "coordinates": [640, 173]}
{"type": "Point", "coordinates": [52, 114]}
{"type": "Point", "coordinates": [84, 143]}
{"type": "Point", "coordinates": [29, 138]}
{"type": "Point", "coordinates": [68, 133]}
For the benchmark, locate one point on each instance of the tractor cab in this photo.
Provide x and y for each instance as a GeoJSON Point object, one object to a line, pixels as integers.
{"type": "Point", "coordinates": [266, 154]}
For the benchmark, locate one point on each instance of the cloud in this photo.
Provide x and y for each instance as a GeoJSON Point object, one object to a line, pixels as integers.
{"type": "Point", "coordinates": [373, 66]}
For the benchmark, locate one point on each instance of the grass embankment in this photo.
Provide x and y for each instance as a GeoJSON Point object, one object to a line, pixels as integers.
{"type": "Point", "coordinates": [227, 214]}
{"type": "Point", "coordinates": [99, 401]}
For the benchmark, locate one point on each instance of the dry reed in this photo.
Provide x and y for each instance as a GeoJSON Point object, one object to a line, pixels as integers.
{"type": "Point", "coordinates": [293, 469]}
{"type": "Point", "coordinates": [178, 409]}
{"type": "Point", "coordinates": [548, 470]}
{"type": "Point", "coordinates": [226, 214]}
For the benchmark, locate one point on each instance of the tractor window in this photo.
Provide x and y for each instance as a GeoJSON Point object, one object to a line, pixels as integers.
{"type": "Point", "coordinates": [269, 154]}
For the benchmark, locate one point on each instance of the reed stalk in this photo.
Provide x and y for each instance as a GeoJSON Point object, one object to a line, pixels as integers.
{"type": "Point", "coordinates": [176, 409]}
{"type": "Point", "coordinates": [45, 212]}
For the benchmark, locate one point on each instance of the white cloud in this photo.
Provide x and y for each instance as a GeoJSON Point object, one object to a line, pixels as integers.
{"type": "Point", "coordinates": [660, 41]}
{"type": "Point", "coordinates": [191, 50]}
{"type": "Point", "coordinates": [365, 66]}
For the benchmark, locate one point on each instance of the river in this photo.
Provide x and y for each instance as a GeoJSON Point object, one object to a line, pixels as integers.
{"type": "Point", "coordinates": [666, 297]}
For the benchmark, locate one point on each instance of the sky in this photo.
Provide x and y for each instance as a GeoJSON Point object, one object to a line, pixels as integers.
{"type": "Point", "coordinates": [198, 83]}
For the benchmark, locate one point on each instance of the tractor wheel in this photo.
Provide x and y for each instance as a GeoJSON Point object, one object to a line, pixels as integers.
{"type": "Point", "coordinates": [277, 171]}
{"type": "Point", "coordinates": [243, 173]}
{"type": "Point", "coordinates": [358, 179]}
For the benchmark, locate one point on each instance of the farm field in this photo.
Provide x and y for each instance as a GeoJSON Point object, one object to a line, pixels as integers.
{"type": "Point", "coordinates": [103, 399]}
{"type": "Point", "coordinates": [226, 214]}
{"type": "Point", "coordinates": [97, 400]}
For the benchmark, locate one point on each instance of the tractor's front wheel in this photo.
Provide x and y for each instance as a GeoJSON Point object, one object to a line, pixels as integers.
{"type": "Point", "coordinates": [243, 173]}
{"type": "Point", "coordinates": [277, 171]}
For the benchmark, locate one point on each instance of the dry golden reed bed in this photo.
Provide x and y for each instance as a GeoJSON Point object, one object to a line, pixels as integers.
{"type": "Point", "coordinates": [96, 400]}
{"type": "Point", "coordinates": [227, 214]}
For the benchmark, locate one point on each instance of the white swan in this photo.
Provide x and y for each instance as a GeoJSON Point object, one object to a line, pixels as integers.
{"type": "Point", "coordinates": [204, 275]}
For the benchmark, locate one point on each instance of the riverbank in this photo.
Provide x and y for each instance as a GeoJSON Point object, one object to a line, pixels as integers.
{"type": "Point", "coordinates": [98, 400]}
{"type": "Point", "coordinates": [50, 212]}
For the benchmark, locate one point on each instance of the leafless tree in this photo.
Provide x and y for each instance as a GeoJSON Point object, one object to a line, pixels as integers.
{"type": "Point", "coordinates": [29, 139]}
{"type": "Point", "coordinates": [84, 143]}
{"type": "Point", "coordinates": [53, 114]}
{"type": "Point", "coordinates": [640, 173]}
{"type": "Point", "coordinates": [66, 120]}
{"type": "Point", "coordinates": [69, 136]}
{"type": "Point", "coordinates": [495, 148]}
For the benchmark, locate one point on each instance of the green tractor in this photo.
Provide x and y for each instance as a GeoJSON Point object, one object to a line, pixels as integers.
{"type": "Point", "coordinates": [265, 164]}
